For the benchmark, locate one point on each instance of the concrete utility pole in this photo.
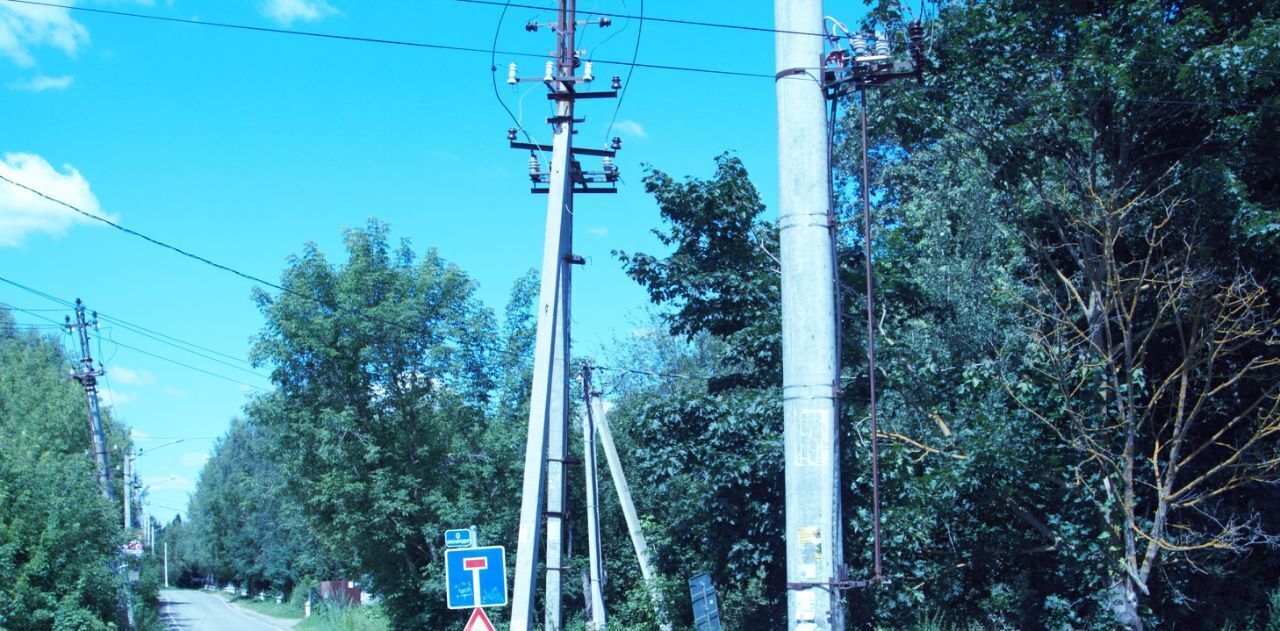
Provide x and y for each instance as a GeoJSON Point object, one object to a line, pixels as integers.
{"type": "Point", "coordinates": [595, 553]}
{"type": "Point", "coordinates": [127, 482]}
{"type": "Point", "coordinates": [810, 379]}
{"type": "Point", "coordinates": [166, 565]}
{"type": "Point", "coordinates": [620, 486]}
{"type": "Point", "coordinates": [87, 375]}
{"type": "Point", "coordinates": [548, 439]}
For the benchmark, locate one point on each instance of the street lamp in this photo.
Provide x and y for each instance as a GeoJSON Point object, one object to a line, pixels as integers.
{"type": "Point", "coordinates": [130, 478]}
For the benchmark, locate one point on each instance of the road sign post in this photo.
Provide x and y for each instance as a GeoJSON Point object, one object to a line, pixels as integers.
{"type": "Point", "coordinates": [476, 577]}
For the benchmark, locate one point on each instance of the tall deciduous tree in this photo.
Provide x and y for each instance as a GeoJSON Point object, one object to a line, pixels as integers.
{"type": "Point", "coordinates": [382, 370]}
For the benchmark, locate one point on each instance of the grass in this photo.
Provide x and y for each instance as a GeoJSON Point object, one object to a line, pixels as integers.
{"type": "Point", "coordinates": [267, 607]}
{"type": "Point", "coordinates": [367, 618]}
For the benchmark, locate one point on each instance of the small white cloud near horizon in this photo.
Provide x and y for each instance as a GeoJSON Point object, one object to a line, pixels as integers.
{"type": "Point", "coordinates": [194, 459]}
{"type": "Point", "coordinates": [115, 397]}
{"type": "Point", "coordinates": [42, 83]}
{"type": "Point", "coordinates": [287, 12]}
{"type": "Point", "coordinates": [630, 128]}
{"type": "Point", "coordinates": [23, 213]}
{"type": "Point", "coordinates": [23, 27]}
{"type": "Point", "coordinates": [132, 377]}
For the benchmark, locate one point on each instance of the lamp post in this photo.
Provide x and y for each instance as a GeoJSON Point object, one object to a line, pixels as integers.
{"type": "Point", "coordinates": [130, 478]}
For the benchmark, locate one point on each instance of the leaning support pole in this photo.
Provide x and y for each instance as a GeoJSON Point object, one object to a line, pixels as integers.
{"type": "Point", "coordinates": [809, 367]}
{"type": "Point", "coordinates": [596, 411]}
{"type": "Point", "coordinates": [595, 556]}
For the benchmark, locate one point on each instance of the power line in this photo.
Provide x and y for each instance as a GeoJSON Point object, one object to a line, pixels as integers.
{"type": "Point", "coordinates": [736, 27]}
{"type": "Point", "coordinates": [366, 40]}
{"type": "Point", "coordinates": [156, 337]}
{"type": "Point", "coordinates": [635, 55]}
{"type": "Point", "coordinates": [470, 49]}
{"type": "Point", "coordinates": [163, 338]}
{"type": "Point", "coordinates": [145, 332]}
{"type": "Point", "coordinates": [768, 30]}
{"type": "Point", "coordinates": [31, 313]}
{"type": "Point", "coordinates": [185, 365]}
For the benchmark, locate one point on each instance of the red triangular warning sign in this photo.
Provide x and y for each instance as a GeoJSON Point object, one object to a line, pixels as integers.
{"type": "Point", "coordinates": [478, 622]}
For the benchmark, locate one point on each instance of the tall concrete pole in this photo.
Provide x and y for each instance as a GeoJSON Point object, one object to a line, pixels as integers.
{"type": "Point", "coordinates": [809, 366]}
{"type": "Point", "coordinates": [595, 555]}
{"type": "Point", "coordinates": [166, 565]}
{"type": "Point", "coordinates": [547, 439]}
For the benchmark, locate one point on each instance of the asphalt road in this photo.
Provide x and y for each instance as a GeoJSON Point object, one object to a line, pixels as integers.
{"type": "Point", "coordinates": [184, 610]}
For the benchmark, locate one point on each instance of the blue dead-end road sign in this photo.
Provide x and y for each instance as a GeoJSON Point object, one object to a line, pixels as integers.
{"type": "Point", "coordinates": [476, 577]}
{"type": "Point", "coordinates": [459, 538]}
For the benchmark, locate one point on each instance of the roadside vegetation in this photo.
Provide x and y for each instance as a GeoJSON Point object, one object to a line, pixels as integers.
{"type": "Point", "coordinates": [1077, 250]}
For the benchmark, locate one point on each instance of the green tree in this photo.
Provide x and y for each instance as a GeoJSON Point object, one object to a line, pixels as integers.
{"type": "Point", "coordinates": [58, 535]}
{"type": "Point", "coordinates": [383, 371]}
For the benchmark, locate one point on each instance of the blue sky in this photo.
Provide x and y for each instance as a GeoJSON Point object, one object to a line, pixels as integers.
{"type": "Point", "coordinates": [241, 146]}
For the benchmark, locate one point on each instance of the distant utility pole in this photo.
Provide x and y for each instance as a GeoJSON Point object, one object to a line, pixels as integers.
{"type": "Point", "coordinates": [547, 445]}
{"type": "Point", "coordinates": [87, 375]}
{"type": "Point", "coordinates": [128, 482]}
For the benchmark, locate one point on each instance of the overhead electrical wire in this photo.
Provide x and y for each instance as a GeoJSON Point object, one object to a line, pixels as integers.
{"type": "Point", "coordinates": [163, 338]}
{"type": "Point", "coordinates": [185, 365]}
{"type": "Point", "coordinates": [470, 49]}
{"type": "Point", "coordinates": [99, 338]}
{"type": "Point", "coordinates": [366, 40]}
{"type": "Point", "coordinates": [737, 27]}
{"type": "Point", "coordinates": [767, 30]}
{"type": "Point", "coordinates": [493, 75]}
{"type": "Point", "coordinates": [631, 70]}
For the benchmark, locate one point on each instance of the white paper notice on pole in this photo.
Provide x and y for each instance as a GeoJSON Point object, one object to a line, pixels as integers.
{"type": "Point", "coordinates": [813, 438]}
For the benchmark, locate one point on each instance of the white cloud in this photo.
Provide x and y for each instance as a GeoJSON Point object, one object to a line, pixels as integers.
{"type": "Point", "coordinates": [23, 212]}
{"type": "Point", "coordinates": [139, 436]}
{"type": "Point", "coordinates": [176, 393]}
{"type": "Point", "coordinates": [169, 483]}
{"type": "Point", "coordinates": [23, 26]}
{"type": "Point", "coordinates": [132, 377]}
{"type": "Point", "coordinates": [599, 231]}
{"type": "Point", "coordinates": [630, 128]}
{"type": "Point", "coordinates": [194, 459]}
{"type": "Point", "coordinates": [115, 397]}
{"type": "Point", "coordinates": [41, 83]}
{"type": "Point", "coordinates": [287, 12]}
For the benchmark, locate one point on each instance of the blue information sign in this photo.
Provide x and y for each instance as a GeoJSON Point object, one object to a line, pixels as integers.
{"type": "Point", "coordinates": [476, 577]}
{"type": "Point", "coordinates": [460, 538]}
{"type": "Point", "coordinates": [706, 611]}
